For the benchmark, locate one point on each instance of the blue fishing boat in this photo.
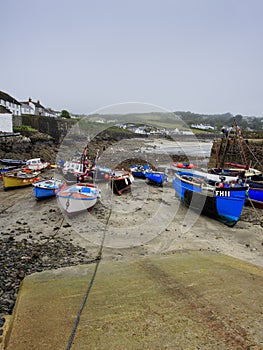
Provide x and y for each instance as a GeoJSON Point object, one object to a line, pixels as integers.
{"type": "Point", "coordinates": [13, 162]}
{"type": "Point", "coordinates": [255, 195]}
{"type": "Point", "coordinates": [224, 204]}
{"type": "Point", "coordinates": [139, 170]}
{"type": "Point", "coordinates": [46, 188]}
{"type": "Point", "coordinates": [156, 177]}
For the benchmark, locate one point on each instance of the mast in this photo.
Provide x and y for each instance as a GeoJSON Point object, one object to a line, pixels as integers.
{"type": "Point", "coordinates": [240, 138]}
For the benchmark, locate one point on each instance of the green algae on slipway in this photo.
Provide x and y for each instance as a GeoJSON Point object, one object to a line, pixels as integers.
{"type": "Point", "coordinates": [179, 301]}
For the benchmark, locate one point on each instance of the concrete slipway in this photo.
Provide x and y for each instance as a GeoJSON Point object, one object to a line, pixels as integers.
{"type": "Point", "coordinates": [188, 300]}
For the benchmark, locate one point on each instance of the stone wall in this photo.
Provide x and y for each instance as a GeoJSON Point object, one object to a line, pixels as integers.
{"type": "Point", "coordinates": [57, 128]}
{"type": "Point", "coordinates": [253, 149]}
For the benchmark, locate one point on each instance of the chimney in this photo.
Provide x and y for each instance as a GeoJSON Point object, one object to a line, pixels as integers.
{"type": "Point", "coordinates": [30, 99]}
{"type": "Point", "coordinates": [38, 102]}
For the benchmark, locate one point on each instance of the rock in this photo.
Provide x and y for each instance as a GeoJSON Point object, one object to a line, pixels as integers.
{"type": "Point", "coordinates": [28, 256]}
{"type": "Point", "coordinates": [2, 321]}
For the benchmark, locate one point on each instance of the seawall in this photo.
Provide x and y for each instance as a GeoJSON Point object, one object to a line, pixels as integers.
{"type": "Point", "coordinates": [57, 128]}
{"type": "Point", "coordinates": [251, 147]}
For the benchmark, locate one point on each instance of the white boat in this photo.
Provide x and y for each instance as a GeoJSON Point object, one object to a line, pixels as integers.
{"type": "Point", "coordinates": [36, 164]}
{"type": "Point", "coordinates": [78, 197]}
{"type": "Point", "coordinates": [74, 170]}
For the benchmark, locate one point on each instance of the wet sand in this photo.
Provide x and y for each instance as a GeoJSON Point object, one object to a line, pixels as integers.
{"type": "Point", "coordinates": [143, 221]}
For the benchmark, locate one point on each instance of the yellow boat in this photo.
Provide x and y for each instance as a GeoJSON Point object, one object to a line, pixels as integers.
{"type": "Point", "coordinates": [19, 178]}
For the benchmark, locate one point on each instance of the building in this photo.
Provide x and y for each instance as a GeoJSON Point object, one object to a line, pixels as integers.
{"type": "Point", "coordinates": [6, 120]}
{"type": "Point", "coordinates": [36, 108]}
{"type": "Point", "coordinates": [26, 108]}
{"type": "Point", "coordinates": [10, 103]}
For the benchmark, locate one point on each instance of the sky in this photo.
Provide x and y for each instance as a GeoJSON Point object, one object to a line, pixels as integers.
{"type": "Point", "coordinates": [203, 56]}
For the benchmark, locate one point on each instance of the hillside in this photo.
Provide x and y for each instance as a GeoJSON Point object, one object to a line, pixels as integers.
{"type": "Point", "coordinates": [182, 120]}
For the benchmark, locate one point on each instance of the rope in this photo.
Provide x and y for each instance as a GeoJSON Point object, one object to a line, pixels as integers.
{"type": "Point", "coordinates": [98, 260]}
{"type": "Point", "coordinates": [55, 234]}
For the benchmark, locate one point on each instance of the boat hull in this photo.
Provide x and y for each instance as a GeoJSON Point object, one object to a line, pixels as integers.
{"type": "Point", "coordinates": [41, 193]}
{"type": "Point", "coordinates": [139, 170]}
{"type": "Point", "coordinates": [46, 189]}
{"type": "Point", "coordinates": [222, 204]}
{"type": "Point", "coordinates": [101, 173]}
{"type": "Point", "coordinates": [121, 183]}
{"type": "Point", "coordinates": [157, 178]}
{"type": "Point", "coordinates": [12, 181]}
{"type": "Point", "coordinates": [255, 195]}
{"type": "Point", "coordinates": [12, 162]}
{"type": "Point", "coordinates": [78, 198]}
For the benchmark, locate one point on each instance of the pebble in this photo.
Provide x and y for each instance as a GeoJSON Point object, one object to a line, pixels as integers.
{"type": "Point", "coordinates": [21, 258]}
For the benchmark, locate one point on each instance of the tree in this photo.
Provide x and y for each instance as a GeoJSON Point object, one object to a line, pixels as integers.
{"type": "Point", "coordinates": [65, 114]}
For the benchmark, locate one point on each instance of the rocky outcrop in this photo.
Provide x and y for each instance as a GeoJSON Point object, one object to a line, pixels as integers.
{"type": "Point", "coordinates": [34, 145]}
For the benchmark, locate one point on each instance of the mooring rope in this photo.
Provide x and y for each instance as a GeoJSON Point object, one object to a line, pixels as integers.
{"type": "Point", "coordinates": [98, 260]}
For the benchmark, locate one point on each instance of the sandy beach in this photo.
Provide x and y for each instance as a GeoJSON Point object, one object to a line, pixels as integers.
{"type": "Point", "coordinates": [144, 221]}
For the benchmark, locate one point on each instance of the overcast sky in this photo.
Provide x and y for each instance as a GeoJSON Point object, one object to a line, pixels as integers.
{"type": "Point", "coordinates": [204, 56]}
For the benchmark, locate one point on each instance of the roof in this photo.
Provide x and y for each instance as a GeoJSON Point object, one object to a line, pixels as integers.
{"type": "Point", "coordinates": [37, 104]}
{"type": "Point", "coordinates": [26, 104]}
{"type": "Point", "coordinates": [4, 110]}
{"type": "Point", "coordinates": [4, 96]}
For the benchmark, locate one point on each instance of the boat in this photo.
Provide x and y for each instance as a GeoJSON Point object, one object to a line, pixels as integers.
{"type": "Point", "coordinates": [220, 201]}
{"type": "Point", "coordinates": [156, 177]}
{"type": "Point", "coordinates": [47, 188]}
{"type": "Point", "coordinates": [36, 164]}
{"type": "Point", "coordinates": [255, 195]}
{"type": "Point", "coordinates": [8, 169]}
{"type": "Point", "coordinates": [121, 181]}
{"type": "Point", "coordinates": [78, 197]}
{"type": "Point", "coordinates": [139, 170]}
{"type": "Point", "coordinates": [74, 171]}
{"type": "Point", "coordinates": [255, 191]}
{"type": "Point", "coordinates": [100, 173]}
{"type": "Point", "coordinates": [13, 162]}
{"type": "Point", "coordinates": [211, 175]}
{"type": "Point", "coordinates": [20, 178]}
{"type": "Point", "coordinates": [185, 166]}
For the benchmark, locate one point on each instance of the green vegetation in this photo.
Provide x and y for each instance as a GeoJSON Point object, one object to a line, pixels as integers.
{"type": "Point", "coordinates": [183, 120]}
{"type": "Point", "coordinates": [65, 114]}
{"type": "Point", "coordinates": [160, 120]}
{"type": "Point", "coordinates": [116, 129]}
{"type": "Point", "coordinates": [24, 128]}
{"type": "Point", "coordinates": [220, 120]}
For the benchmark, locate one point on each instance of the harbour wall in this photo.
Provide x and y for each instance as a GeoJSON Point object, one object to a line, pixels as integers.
{"type": "Point", "coordinates": [57, 128]}
{"type": "Point", "coordinates": [253, 149]}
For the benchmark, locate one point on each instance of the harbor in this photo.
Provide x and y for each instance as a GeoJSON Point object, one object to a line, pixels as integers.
{"type": "Point", "coordinates": [147, 223]}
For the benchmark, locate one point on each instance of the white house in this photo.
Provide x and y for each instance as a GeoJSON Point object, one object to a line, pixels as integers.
{"type": "Point", "coordinates": [10, 103]}
{"type": "Point", "coordinates": [49, 112]}
{"type": "Point", "coordinates": [27, 109]}
{"type": "Point", "coordinates": [35, 108]}
{"type": "Point", "coordinates": [31, 107]}
{"type": "Point", "coordinates": [6, 120]}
